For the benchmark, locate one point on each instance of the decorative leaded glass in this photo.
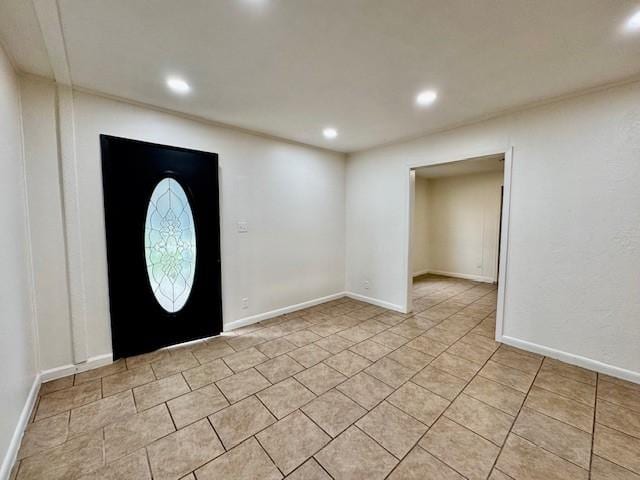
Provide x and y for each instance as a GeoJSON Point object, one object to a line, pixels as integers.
{"type": "Point", "coordinates": [170, 245]}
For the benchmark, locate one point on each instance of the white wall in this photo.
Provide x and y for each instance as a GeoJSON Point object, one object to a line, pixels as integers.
{"type": "Point", "coordinates": [574, 247]}
{"type": "Point", "coordinates": [292, 197]}
{"type": "Point", "coordinates": [421, 243]}
{"type": "Point", "coordinates": [17, 342]}
{"type": "Point", "coordinates": [45, 212]}
{"type": "Point", "coordinates": [456, 223]}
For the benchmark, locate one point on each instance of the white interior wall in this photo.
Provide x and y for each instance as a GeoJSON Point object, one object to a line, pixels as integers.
{"type": "Point", "coordinates": [18, 363]}
{"type": "Point", "coordinates": [46, 214]}
{"type": "Point", "coordinates": [292, 197]}
{"type": "Point", "coordinates": [573, 297]}
{"type": "Point", "coordinates": [421, 243]}
{"type": "Point", "coordinates": [574, 245]}
{"type": "Point", "coordinates": [456, 223]}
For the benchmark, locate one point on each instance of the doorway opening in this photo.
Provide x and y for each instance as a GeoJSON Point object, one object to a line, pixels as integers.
{"type": "Point", "coordinates": [458, 231]}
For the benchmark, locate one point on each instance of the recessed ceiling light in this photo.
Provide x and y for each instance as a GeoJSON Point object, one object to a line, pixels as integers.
{"type": "Point", "coordinates": [633, 23]}
{"type": "Point", "coordinates": [178, 85]}
{"type": "Point", "coordinates": [330, 133]}
{"type": "Point", "coordinates": [426, 98]}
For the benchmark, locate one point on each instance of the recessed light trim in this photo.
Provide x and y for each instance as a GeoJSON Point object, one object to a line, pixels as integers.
{"type": "Point", "coordinates": [330, 133]}
{"type": "Point", "coordinates": [178, 85]}
{"type": "Point", "coordinates": [633, 23]}
{"type": "Point", "coordinates": [426, 98]}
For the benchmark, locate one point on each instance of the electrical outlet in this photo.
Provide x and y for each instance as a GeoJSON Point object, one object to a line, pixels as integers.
{"type": "Point", "coordinates": [366, 284]}
{"type": "Point", "coordinates": [244, 303]}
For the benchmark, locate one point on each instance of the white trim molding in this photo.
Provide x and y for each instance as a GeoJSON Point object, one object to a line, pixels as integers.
{"type": "Point", "coordinates": [504, 238]}
{"type": "Point", "coordinates": [421, 272]}
{"type": "Point", "coordinates": [375, 301]}
{"type": "Point", "coordinates": [466, 276]}
{"type": "Point", "coordinates": [243, 322]}
{"type": "Point", "coordinates": [48, 14]}
{"type": "Point", "coordinates": [65, 370]}
{"type": "Point", "coordinates": [14, 445]}
{"type": "Point", "coordinates": [573, 359]}
{"type": "Point", "coordinates": [71, 217]}
{"type": "Point", "coordinates": [503, 254]}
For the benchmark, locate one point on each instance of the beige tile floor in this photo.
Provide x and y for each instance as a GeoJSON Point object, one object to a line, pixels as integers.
{"type": "Point", "coordinates": [342, 390]}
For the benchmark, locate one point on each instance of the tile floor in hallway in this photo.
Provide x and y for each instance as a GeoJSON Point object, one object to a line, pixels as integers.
{"type": "Point", "coordinates": [342, 390]}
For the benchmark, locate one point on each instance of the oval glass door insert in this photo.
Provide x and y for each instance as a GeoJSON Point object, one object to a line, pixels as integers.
{"type": "Point", "coordinates": [170, 245]}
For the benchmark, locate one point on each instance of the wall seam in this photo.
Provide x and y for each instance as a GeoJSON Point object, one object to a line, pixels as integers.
{"type": "Point", "coordinates": [344, 221]}
{"type": "Point", "coordinates": [72, 225]}
{"type": "Point", "coordinates": [28, 233]}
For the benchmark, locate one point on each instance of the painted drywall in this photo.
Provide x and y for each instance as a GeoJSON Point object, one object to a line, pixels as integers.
{"type": "Point", "coordinates": [574, 245]}
{"type": "Point", "coordinates": [46, 218]}
{"type": "Point", "coordinates": [421, 243]}
{"type": "Point", "coordinates": [456, 224]}
{"type": "Point", "coordinates": [18, 364]}
{"type": "Point", "coordinates": [291, 196]}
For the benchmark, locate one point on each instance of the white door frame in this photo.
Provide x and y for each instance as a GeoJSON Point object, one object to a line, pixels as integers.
{"type": "Point", "coordinates": [504, 236]}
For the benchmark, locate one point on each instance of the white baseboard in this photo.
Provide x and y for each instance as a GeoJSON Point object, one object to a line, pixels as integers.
{"type": "Point", "coordinates": [577, 360]}
{"type": "Point", "coordinates": [107, 358]}
{"type": "Point", "coordinates": [466, 276]}
{"type": "Point", "coordinates": [375, 301]}
{"type": "Point", "coordinates": [420, 272]}
{"type": "Point", "coordinates": [243, 322]}
{"type": "Point", "coordinates": [14, 445]}
{"type": "Point", "coordinates": [63, 371]}
{"type": "Point", "coordinates": [98, 361]}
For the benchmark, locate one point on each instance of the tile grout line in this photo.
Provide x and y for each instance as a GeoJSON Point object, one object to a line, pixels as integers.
{"type": "Point", "coordinates": [450, 401]}
{"type": "Point", "coordinates": [396, 389]}
{"type": "Point", "coordinates": [515, 419]}
{"type": "Point", "coordinates": [255, 436]}
{"type": "Point", "coordinates": [208, 461]}
{"type": "Point", "coordinates": [617, 430]}
{"type": "Point", "coordinates": [382, 446]}
{"type": "Point", "coordinates": [146, 456]}
{"type": "Point", "coordinates": [488, 404]}
{"type": "Point", "coordinates": [443, 412]}
{"type": "Point", "coordinates": [593, 436]}
{"type": "Point", "coordinates": [626, 469]}
{"type": "Point", "coordinates": [459, 393]}
{"type": "Point", "coordinates": [565, 396]}
{"type": "Point", "coordinates": [542, 414]}
{"type": "Point", "coordinates": [166, 405]}
{"type": "Point", "coordinates": [104, 447]}
{"type": "Point", "coordinates": [551, 453]}
{"type": "Point", "coordinates": [387, 329]}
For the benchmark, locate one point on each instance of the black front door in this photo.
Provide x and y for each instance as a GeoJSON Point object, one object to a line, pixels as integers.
{"type": "Point", "coordinates": [163, 244]}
